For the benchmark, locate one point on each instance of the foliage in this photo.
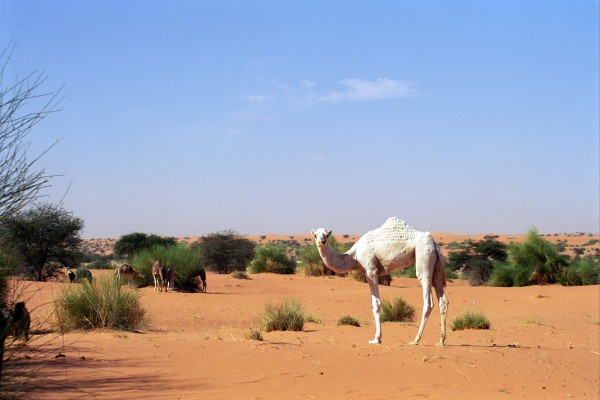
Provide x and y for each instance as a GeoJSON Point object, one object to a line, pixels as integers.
{"type": "Point", "coordinates": [128, 245]}
{"type": "Point", "coordinates": [475, 258]}
{"type": "Point", "coordinates": [397, 310]}
{"type": "Point", "coordinates": [470, 320]}
{"type": "Point", "coordinates": [538, 258]}
{"type": "Point", "coordinates": [101, 263]}
{"type": "Point", "coordinates": [409, 272]}
{"type": "Point", "coordinates": [102, 304]}
{"type": "Point", "coordinates": [225, 252]}
{"type": "Point", "coordinates": [582, 271]}
{"type": "Point", "coordinates": [82, 274]}
{"type": "Point", "coordinates": [348, 320]}
{"type": "Point", "coordinates": [42, 240]}
{"type": "Point", "coordinates": [185, 262]}
{"type": "Point", "coordinates": [310, 260]}
{"type": "Point", "coordinates": [254, 334]}
{"type": "Point", "coordinates": [239, 275]}
{"type": "Point", "coordinates": [284, 316]}
{"type": "Point", "coordinates": [271, 258]}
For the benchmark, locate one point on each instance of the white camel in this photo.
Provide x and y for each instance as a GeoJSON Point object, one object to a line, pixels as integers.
{"type": "Point", "coordinates": [393, 246]}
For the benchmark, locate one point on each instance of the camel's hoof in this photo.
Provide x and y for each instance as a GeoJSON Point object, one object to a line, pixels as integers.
{"type": "Point", "coordinates": [414, 343]}
{"type": "Point", "coordinates": [440, 344]}
{"type": "Point", "coordinates": [375, 341]}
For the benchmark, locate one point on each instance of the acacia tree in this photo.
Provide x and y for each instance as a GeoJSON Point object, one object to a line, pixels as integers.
{"type": "Point", "coordinates": [42, 240]}
{"type": "Point", "coordinates": [22, 106]}
{"type": "Point", "coordinates": [128, 245]}
{"type": "Point", "coordinates": [225, 252]}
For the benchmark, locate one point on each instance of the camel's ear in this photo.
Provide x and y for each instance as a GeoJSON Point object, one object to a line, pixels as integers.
{"type": "Point", "coordinates": [329, 232]}
{"type": "Point", "coordinates": [312, 232]}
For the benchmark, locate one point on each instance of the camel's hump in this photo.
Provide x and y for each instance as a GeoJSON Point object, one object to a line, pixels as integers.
{"type": "Point", "coordinates": [393, 229]}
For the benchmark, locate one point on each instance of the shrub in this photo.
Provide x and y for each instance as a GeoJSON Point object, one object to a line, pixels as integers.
{"type": "Point", "coordinates": [101, 304]}
{"type": "Point", "coordinates": [225, 252]}
{"type": "Point", "coordinates": [410, 272]}
{"type": "Point", "coordinates": [254, 334]}
{"type": "Point", "coordinates": [101, 263]}
{"type": "Point", "coordinates": [239, 275]}
{"type": "Point", "coordinates": [470, 320]}
{"type": "Point", "coordinates": [396, 310]}
{"type": "Point", "coordinates": [271, 258]}
{"type": "Point", "coordinates": [583, 271]}
{"type": "Point", "coordinates": [185, 263]}
{"type": "Point", "coordinates": [539, 259]}
{"type": "Point", "coordinates": [284, 316]}
{"type": "Point", "coordinates": [130, 244]}
{"type": "Point", "coordinates": [348, 320]}
{"type": "Point", "coordinates": [83, 274]}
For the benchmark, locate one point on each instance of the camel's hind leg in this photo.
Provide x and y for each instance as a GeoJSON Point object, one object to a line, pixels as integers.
{"type": "Point", "coordinates": [427, 307]}
{"type": "Point", "coordinates": [443, 304]}
{"type": "Point", "coordinates": [375, 304]}
{"type": "Point", "coordinates": [425, 258]}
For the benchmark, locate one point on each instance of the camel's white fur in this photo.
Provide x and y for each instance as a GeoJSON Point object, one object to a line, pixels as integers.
{"type": "Point", "coordinates": [393, 246]}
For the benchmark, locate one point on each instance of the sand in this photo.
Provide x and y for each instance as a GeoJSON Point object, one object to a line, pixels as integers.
{"type": "Point", "coordinates": [544, 343]}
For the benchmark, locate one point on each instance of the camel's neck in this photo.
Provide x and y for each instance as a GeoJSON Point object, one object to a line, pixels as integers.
{"type": "Point", "coordinates": [337, 262]}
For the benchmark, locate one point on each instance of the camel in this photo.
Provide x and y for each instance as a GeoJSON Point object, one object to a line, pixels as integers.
{"type": "Point", "coordinates": [70, 274]}
{"type": "Point", "coordinates": [203, 279]}
{"type": "Point", "coordinates": [16, 322]}
{"type": "Point", "coordinates": [170, 278]}
{"type": "Point", "coordinates": [129, 272]}
{"type": "Point", "coordinates": [158, 272]}
{"type": "Point", "coordinates": [393, 246]}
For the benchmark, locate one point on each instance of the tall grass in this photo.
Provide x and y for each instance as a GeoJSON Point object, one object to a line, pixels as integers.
{"type": "Point", "coordinates": [396, 310]}
{"type": "Point", "coordinates": [271, 258]}
{"type": "Point", "coordinates": [101, 304]}
{"type": "Point", "coordinates": [582, 271]}
{"type": "Point", "coordinates": [470, 320]}
{"type": "Point", "coordinates": [185, 263]}
{"type": "Point", "coordinates": [284, 316]}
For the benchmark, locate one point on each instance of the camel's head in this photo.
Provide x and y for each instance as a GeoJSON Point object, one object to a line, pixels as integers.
{"type": "Point", "coordinates": [321, 235]}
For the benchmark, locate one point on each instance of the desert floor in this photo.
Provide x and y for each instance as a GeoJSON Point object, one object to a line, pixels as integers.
{"type": "Point", "coordinates": [544, 343]}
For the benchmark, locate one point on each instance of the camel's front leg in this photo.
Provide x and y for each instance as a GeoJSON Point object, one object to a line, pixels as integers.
{"type": "Point", "coordinates": [376, 305]}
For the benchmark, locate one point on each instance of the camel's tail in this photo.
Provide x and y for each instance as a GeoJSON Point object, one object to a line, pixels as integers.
{"type": "Point", "coordinates": [440, 265]}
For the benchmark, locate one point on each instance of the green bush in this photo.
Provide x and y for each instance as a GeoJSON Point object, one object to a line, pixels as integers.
{"type": "Point", "coordinates": [470, 320]}
{"type": "Point", "coordinates": [101, 263]}
{"type": "Point", "coordinates": [538, 258]}
{"type": "Point", "coordinates": [83, 274]}
{"type": "Point", "coordinates": [102, 304]}
{"type": "Point", "coordinates": [185, 263]}
{"type": "Point", "coordinates": [348, 320]}
{"type": "Point", "coordinates": [284, 316]}
{"type": "Point", "coordinates": [396, 310]}
{"type": "Point", "coordinates": [410, 272]}
{"type": "Point", "coordinates": [273, 259]}
{"type": "Point", "coordinates": [224, 252]}
{"type": "Point", "coordinates": [239, 275]}
{"type": "Point", "coordinates": [582, 271]}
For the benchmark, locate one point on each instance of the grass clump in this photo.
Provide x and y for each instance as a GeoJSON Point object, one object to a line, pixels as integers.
{"type": "Point", "coordinates": [470, 320]}
{"type": "Point", "coordinates": [284, 316]}
{"type": "Point", "coordinates": [82, 274]}
{"type": "Point", "coordinates": [239, 275]}
{"type": "Point", "coordinates": [397, 310]}
{"type": "Point", "coordinates": [101, 304]}
{"type": "Point", "coordinates": [348, 320]}
{"type": "Point", "coordinates": [273, 259]}
{"type": "Point", "coordinates": [254, 334]}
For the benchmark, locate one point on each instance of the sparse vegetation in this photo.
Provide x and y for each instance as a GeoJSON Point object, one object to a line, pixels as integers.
{"type": "Point", "coordinates": [397, 310]}
{"type": "Point", "coordinates": [224, 252]}
{"type": "Point", "coordinates": [470, 320]}
{"type": "Point", "coordinates": [271, 258]}
{"type": "Point", "coordinates": [348, 320]}
{"type": "Point", "coordinates": [239, 275]}
{"type": "Point", "coordinates": [82, 274]}
{"type": "Point", "coordinates": [284, 316]}
{"type": "Point", "coordinates": [101, 304]}
{"type": "Point", "coordinates": [254, 334]}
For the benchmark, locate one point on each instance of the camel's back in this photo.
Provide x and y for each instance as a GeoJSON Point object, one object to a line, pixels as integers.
{"type": "Point", "coordinates": [392, 231]}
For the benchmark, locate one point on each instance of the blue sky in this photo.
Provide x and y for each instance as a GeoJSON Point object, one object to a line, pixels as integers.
{"type": "Point", "coordinates": [183, 118]}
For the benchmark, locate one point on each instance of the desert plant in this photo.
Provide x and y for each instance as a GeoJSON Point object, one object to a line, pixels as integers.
{"type": "Point", "coordinates": [225, 252]}
{"type": "Point", "coordinates": [538, 258]}
{"type": "Point", "coordinates": [101, 304]}
{"type": "Point", "coordinates": [284, 316]}
{"type": "Point", "coordinates": [582, 271]}
{"type": "Point", "coordinates": [254, 334]}
{"type": "Point", "coordinates": [397, 310]}
{"type": "Point", "coordinates": [128, 245]}
{"type": "Point", "coordinates": [185, 262]}
{"type": "Point", "coordinates": [310, 260]}
{"type": "Point", "coordinates": [82, 274]}
{"type": "Point", "coordinates": [348, 320]}
{"type": "Point", "coordinates": [271, 258]}
{"type": "Point", "coordinates": [470, 320]}
{"type": "Point", "coordinates": [409, 272]}
{"type": "Point", "coordinates": [239, 275]}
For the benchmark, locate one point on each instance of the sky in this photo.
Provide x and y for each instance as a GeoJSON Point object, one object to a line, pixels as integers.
{"type": "Point", "coordinates": [183, 118]}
